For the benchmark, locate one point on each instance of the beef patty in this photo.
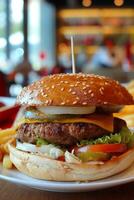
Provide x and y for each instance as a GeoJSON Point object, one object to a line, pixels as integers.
{"type": "Point", "coordinates": [64, 134]}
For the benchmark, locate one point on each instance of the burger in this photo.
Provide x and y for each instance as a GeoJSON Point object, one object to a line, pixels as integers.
{"type": "Point", "coordinates": [68, 131]}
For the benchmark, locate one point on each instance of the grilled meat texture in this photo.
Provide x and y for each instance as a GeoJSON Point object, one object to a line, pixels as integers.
{"type": "Point", "coordinates": [63, 134]}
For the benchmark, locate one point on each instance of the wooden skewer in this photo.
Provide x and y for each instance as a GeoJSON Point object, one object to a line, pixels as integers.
{"type": "Point", "coordinates": [72, 56]}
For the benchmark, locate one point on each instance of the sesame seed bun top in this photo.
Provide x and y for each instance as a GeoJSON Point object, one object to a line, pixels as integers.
{"type": "Point", "coordinates": [74, 90]}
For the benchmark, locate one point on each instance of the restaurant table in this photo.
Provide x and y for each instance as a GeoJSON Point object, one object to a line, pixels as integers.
{"type": "Point", "coordinates": [17, 192]}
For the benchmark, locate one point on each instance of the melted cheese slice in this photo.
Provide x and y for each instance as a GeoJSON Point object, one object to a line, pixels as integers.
{"type": "Point", "coordinates": [101, 120]}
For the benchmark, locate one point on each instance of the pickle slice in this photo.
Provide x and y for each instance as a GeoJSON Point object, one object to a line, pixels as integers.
{"type": "Point", "coordinates": [93, 156]}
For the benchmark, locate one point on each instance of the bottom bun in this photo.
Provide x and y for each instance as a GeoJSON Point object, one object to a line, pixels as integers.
{"type": "Point", "coordinates": [45, 168]}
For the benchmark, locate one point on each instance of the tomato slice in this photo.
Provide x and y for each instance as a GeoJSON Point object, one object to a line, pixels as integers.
{"type": "Point", "coordinates": [106, 148]}
{"type": "Point", "coordinates": [61, 158]}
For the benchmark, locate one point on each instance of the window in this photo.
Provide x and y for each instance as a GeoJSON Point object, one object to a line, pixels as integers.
{"type": "Point", "coordinates": [11, 35]}
{"type": "Point", "coordinates": [41, 34]}
{"type": "Point", "coordinates": [16, 33]}
{"type": "Point", "coordinates": [2, 30]}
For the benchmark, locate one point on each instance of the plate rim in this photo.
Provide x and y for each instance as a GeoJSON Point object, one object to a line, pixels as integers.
{"type": "Point", "coordinates": [63, 186]}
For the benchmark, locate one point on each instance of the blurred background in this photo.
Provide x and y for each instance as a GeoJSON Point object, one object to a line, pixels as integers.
{"type": "Point", "coordinates": [35, 40]}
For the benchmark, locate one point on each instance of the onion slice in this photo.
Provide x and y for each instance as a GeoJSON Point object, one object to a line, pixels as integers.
{"type": "Point", "coordinates": [58, 110]}
{"type": "Point", "coordinates": [49, 150]}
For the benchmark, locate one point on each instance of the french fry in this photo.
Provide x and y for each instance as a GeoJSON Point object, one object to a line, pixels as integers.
{"type": "Point", "coordinates": [3, 140]}
{"type": "Point", "coordinates": [6, 135]}
{"type": "Point", "coordinates": [4, 146]}
{"type": "Point", "coordinates": [127, 112]}
{"type": "Point", "coordinates": [7, 164]}
{"type": "Point", "coordinates": [7, 132]}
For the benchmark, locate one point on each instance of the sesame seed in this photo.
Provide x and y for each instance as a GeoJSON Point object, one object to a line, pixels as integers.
{"type": "Point", "coordinates": [62, 103]}
{"type": "Point", "coordinates": [84, 103]}
{"type": "Point", "coordinates": [84, 87]}
{"type": "Point", "coordinates": [77, 98]}
{"type": "Point", "coordinates": [85, 93]}
{"type": "Point", "coordinates": [66, 81]}
{"type": "Point", "coordinates": [71, 85]}
{"type": "Point", "coordinates": [89, 91]}
{"type": "Point", "coordinates": [45, 95]}
{"type": "Point", "coordinates": [106, 83]}
{"type": "Point", "coordinates": [74, 92]}
{"type": "Point", "coordinates": [92, 94]}
{"type": "Point", "coordinates": [70, 90]}
{"type": "Point", "coordinates": [83, 83]}
{"type": "Point", "coordinates": [62, 89]}
{"type": "Point", "coordinates": [52, 87]}
{"type": "Point", "coordinates": [101, 90]}
{"type": "Point", "coordinates": [105, 102]}
{"type": "Point", "coordinates": [74, 102]}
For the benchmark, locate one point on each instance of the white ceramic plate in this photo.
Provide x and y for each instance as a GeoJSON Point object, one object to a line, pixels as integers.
{"type": "Point", "coordinates": [19, 178]}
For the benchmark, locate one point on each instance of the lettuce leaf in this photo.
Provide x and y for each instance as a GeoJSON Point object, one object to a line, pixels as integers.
{"type": "Point", "coordinates": [125, 136]}
{"type": "Point", "coordinates": [40, 142]}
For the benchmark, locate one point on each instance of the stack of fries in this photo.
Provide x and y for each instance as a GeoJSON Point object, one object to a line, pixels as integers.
{"type": "Point", "coordinates": [127, 112]}
{"type": "Point", "coordinates": [6, 136]}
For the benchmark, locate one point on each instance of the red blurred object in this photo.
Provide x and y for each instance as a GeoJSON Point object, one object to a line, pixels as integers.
{"type": "Point", "coordinates": [61, 158]}
{"type": "Point", "coordinates": [3, 84]}
{"type": "Point", "coordinates": [42, 55]}
{"type": "Point", "coordinates": [128, 48]}
{"type": "Point", "coordinates": [43, 72]}
{"type": "Point", "coordinates": [109, 43]}
{"type": "Point", "coordinates": [2, 104]}
{"type": "Point", "coordinates": [7, 116]}
{"type": "Point", "coordinates": [57, 70]}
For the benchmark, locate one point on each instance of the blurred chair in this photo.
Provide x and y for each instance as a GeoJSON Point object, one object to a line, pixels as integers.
{"type": "Point", "coordinates": [130, 75]}
{"type": "Point", "coordinates": [114, 73]}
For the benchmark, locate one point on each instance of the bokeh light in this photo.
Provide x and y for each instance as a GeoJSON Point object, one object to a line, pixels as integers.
{"type": "Point", "coordinates": [118, 2]}
{"type": "Point", "coordinates": [87, 3]}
